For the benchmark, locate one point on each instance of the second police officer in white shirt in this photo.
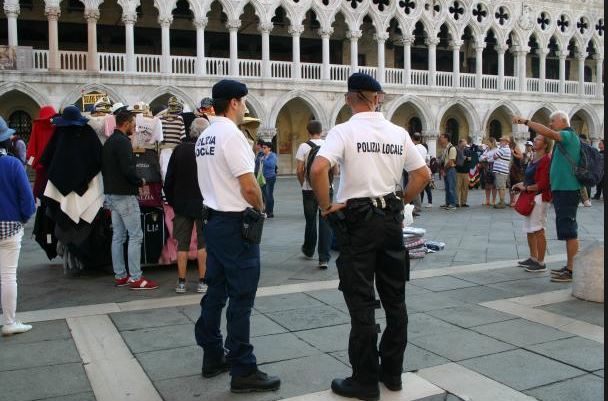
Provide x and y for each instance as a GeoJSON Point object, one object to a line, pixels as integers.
{"type": "Point", "coordinates": [367, 219]}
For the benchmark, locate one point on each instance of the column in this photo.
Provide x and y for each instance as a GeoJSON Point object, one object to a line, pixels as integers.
{"type": "Point", "coordinates": [542, 68]}
{"type": "Point", "coordinates": [521, 54]}
{"type": "Point", "coordinates": [354, 49]}
{"type": "Point", "coordinates": [479, 63]}
{"type": "Point", "coordinates": [165, 62]}
{"type": "Point", "coordinates": [52, 14]}
{"type": "Point", "coordinates": [407, 41]}
{"type": "Point", "coordinates": [267, 133]}
{"type": "Point", "coordinates": [501, 49]}
{"type": "Point", "coordinates": [432, 47]}
{"type": "Point", "coordinates": [325, 69]}
{"type": "Point", "coordinates": [455, 46]}
{"type": "Point", "coordinates": [381, 38]}
{"type": "Point", "coordinates": [599, 64]}
{"type": "Point", "coordinates": [92, 16]}
{"type": "Point", "coordinates": [233, 27]}
{"type": "Point", "coordinates": [12, 12]}
{"type": "Point", "coordinates": [430, 138]}
{"type": "Point", "coordinates": [265, 29]}
{"type": "Point", "coordinates": [295, 31]}
{"type": "Point", "coordinates": [129, 20]}
{"type": "Point", "coordinates": [200, 24]}
{"type": "Point", "coordinates": [562, 70]}
{"type": "Point", "coordinates": [580, 57]}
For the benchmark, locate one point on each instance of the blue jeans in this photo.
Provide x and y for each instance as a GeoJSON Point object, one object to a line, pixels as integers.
{"type": "Point", "coordinates": [268, 190]}
{"type": "Point", "coordinates": [450, 187]}
{"type": "Point", "coordinates": [233, 271]}
{"type": "Point", "coordinates": [311, 210]}
{"type": "Point", "coordinates": [126, 219]}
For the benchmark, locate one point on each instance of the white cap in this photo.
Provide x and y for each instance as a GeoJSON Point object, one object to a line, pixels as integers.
{"type": "Point", "coordinates": [116, 106]}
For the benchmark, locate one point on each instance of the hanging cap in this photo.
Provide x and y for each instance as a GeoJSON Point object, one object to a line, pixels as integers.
{"type": "Point", "coordinates": [175, 105]}
{"type": "Point", "coordinates": [116, 107]}
{"type": "Point", "coordinates": [102, 105]}
{"type": "Point", "coordinates": [140, 107]}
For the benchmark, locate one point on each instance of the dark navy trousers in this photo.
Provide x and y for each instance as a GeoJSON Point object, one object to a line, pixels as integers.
{"type": "Point", "coordinates": [233, 273]}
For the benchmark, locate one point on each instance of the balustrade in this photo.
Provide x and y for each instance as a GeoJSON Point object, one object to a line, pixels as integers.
{"type": "Point", "coordinates": [369, 71]}
{"type": "Point", "coordinates": [393, 76]}
{"type": "Point", "coordinates": [338, 72]}
{"type": "Point", "coordinates": [41, 59]}
{"type": "Point", "coordinates": [552, 85]}
{"type": "Point", "coordinates": [310, 71]}
{"type": "Point", "coordinates": [571, 87]}
{"type": "Point", "coordinates": [510, 84]}
{"type": "Point", "coordinates": [590, 88]}
{"type": "Point", "coordinates": [280, 69]}
{"type": "Point", "coordinates": [111, 62]}
{"type": "Point", "coordinates": [444, 79]}
{"type": "Point", "coordinates": [217, 66]}
{"type": "Point", "coordinates": [467, 80]}
{"type": "Point", "coordinates": [533, 84]}
{"type": "Point", "coordinates": [183, 65]}
{"type": "Point", "coordinates": [419, 78]}
{"type": "Point", "coordinates": [72, 60]}
{"type": "Point", "coordinates": [250, 68]}
{"type": "Point", "coordinates": [147, 63]}
{"type": "Point", "coordinates": [489, 82]}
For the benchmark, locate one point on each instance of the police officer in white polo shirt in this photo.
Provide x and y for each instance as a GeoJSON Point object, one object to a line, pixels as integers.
{"type": "Point", "coordinates": [225, 163]}
{"type": "Point", "coordinates": [367, 218]}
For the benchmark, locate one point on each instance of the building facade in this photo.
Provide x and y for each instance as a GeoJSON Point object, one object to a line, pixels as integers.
{"type": "Point", "coordinates": [458, 66]}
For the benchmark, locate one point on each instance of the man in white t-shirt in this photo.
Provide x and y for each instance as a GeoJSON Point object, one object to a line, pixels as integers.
{"type": "Point", "coordinates": [311, 207]}
{"type": "Point", "coordinates": [372, 153]}
{"type": "Point", "coordinates": [417, 139]}
{"type": "Point", "coordinates": [224, 162]}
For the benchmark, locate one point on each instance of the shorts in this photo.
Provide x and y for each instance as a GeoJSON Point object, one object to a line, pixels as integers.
{"type": "Point", "coordinates": [566, 206]}
{"type": "Point", "coordinates": [182, 232]}
{"type": "Point", "coordinates": [501, 180]}
{"type": "Point", "coordinates": [537, 220]}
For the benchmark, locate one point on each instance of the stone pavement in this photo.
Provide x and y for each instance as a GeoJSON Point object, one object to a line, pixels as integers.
{"type": "Point", "coordinates": [479, 327]}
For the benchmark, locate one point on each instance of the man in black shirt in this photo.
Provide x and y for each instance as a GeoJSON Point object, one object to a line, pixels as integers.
{"type": "Point", "coordinates": [120, 184]}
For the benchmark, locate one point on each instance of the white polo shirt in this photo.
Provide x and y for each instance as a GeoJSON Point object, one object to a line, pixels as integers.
{"type": "Point", "coordinates": [372, 153]}
{"type": "Point", "coordinates": [302, 155]}
{"type": "Point", "coordinates": [223, 155]}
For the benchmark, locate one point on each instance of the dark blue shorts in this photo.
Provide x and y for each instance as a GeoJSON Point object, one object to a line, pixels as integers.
{"type": "Point", "coordinates": [566, 206]}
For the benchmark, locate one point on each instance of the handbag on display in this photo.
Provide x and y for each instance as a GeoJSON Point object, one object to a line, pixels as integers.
{"type": "Point", "coordinates": [525, 203]}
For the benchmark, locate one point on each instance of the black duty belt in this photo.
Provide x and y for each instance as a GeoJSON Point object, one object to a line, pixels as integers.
{"type": "Point", "coordinates": [380, 202]}
{"type": "Point", "coordinates": [213, 212]}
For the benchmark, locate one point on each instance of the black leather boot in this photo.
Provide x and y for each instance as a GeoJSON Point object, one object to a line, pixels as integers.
{"type": "Point", "coordinates": [392, 383]}
{"type": "Point", "coordinates": [351, 389]}
{"type": "Point", "coordinates": [212, 370]}
{"type": "Point", "coordinates": [257, 381]}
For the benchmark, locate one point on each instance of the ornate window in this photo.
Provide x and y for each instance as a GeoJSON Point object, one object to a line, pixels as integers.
{"type": "Point", "coordinates": [381, 4]}
{"type": "Point", "coordinates": [432, 7]}
{"type": "Point", "coordinates": [480, 12]}
{"type": "Point", "coordinates": [563, 23]}
{"type": "Point", "coordinates": [407, 5]}
{"type": "Point", "coordinates": [543, 21]}
{"type": "Point", "coordinates": [21, 122]}
{"type": "Point", "coordinates": [501, 15]}
{"type": "Point", "coordinates": [456, 9]}
{"type": "Point", "coordinates": [582, 25]}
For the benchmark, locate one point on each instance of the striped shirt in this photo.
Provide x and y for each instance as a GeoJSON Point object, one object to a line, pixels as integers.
{"type": "Point", "coordinates": [9, 228]}
{"type": "Point", "coordinates": [174, 131]}
{"type": "Point", "coordinates": [503, 162]}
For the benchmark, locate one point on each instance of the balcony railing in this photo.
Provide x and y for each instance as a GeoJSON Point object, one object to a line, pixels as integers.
{"type": "Point", "coordinates": [220, 67]}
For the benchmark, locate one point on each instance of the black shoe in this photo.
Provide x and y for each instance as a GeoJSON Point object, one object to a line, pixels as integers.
{"type": "Point", "coordinates": [464, 205]}
{"type": "Point", "coordinates": [216, 369]}
{"type": "Point", "coordinates": [307, 255]}
{"type": "Point", "coordinates": [351, 389]}
{"type": "Point", "coordinates": [257, 381]}
{"type": "Point", "coordinates": [536, 267]}
{"type": "Point", "coordinates": [392, 383]}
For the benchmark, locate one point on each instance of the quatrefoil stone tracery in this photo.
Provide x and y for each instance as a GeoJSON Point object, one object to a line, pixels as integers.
{"type": "Point", "coordinates": [501, 15]}
{"type": "Point", "coordinates": [563, 23]}
{"type": "Point", "coordinates": [480, 12]}
{"type": "Point", "coordinates": [381, 4]}
{"type": "Point", "coordinates": [456, 10]}
{"type": "Point", "coordinates": [407, 5]}
{"type": "Point", "coordinates": [582, 25]}
{"type": "Point", "coordinates": [543, 20]}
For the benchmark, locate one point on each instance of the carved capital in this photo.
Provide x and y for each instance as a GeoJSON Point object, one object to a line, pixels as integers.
{"type": "Point", "coordinates": [479, 46]}
{"type": "Point", "coordinates": [233, 25]}
{"type": "Point", "coordinates": [200, 23]}
{"type": "Point", "coordinates": [381, 36]}
{"type": "Point", "coordinates": [456, 44]}
{"type": "Point", "coordinates": [296, 30]}
{"type": "Point", "coordinates": [326, 33]}
{"type": "Point", "coordinates": [563, 54]}
{"type": "Point", "coordinates": [598, 57]}
{"type": "Point", "coordinates": [129, 18]}
{"type": "Point", "coordinates": [501, 48]}
{"type": "Point", "coordinates": [431, 42]}
{"type": "Point", "coordinates": [165, 21]}
{"type": "Point", "coordinates": [408, 40]}
{"type": "Point", "coordinates": [265, 27]}
{"type": "Point", "coordinates": [542, 52]}
{"type": "Point", "coordinates": [52, 13]}
{"type": "Point", "coordinates": [354, 35]}
{"type": "Point", "coordinates": [91, 14]}
{"type": "Point", "coordinates": [11, 10]}
{"type": "Point", "coordinates": [581, 55]}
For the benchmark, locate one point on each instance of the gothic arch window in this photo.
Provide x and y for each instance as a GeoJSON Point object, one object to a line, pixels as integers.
{"type": "Point", "coordinates": [21, 122]}
{"type": "Point", "coordinates": [495, 129]}
{"type": "Point", "coordinates": [414, 125]}
{"type": "Point", "coordinates": [453, 128]}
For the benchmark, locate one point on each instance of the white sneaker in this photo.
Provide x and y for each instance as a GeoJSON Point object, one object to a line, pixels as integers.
{"type": "Point", "coordinates": [587, 203]}
{"type": "Point", "coordinates": [15, 328]}
{"type": "Point", "coordinates": [202, 287]}
{"type": "Point", "coordinates": [429, 205]}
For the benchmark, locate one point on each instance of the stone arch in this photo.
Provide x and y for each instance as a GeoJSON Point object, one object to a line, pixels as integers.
{"type": "Point", "coordinates": [502, 112]}
{"type": "Point", "coordinates": [548, 107]}
{"type": "Point", "coordinates": [76, 93]}
{"type": "Point", "coordinates": [26, 89]}
{"type": "Point", "coordinates": [154, 93]}
{"type": "Point", "coordinates": [419, 105]}
{"type": "Point", "coordinates": [316, 107]}
{"type": "Point", "coordinates": [590, 120]}
{"type": "Point", "coordinates": [469, 112]}
{"type": "Point", "coordinates": [258, 9]}
{"type": "Point", "coordinates": [507, 105]}
{"type": "Point", "coordinates": [259, 111]}
{"type": "Point", "coordinates": [21, 103]}
{"type": "Point", "coordinates": [335, 113]}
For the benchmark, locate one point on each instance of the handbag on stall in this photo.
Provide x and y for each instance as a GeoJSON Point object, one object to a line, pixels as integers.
{"type": "Point", "coordinates": [525, 203]}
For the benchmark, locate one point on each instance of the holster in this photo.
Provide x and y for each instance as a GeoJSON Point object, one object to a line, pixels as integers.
{"type": "Point", "coordinates": [253, 225]}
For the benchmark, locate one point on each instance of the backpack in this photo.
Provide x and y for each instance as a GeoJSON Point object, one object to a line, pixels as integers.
{"type": "Point", "coordinates": [433, 165]}
{"type": "Point", "coordinates": [590, 169]}
{"type": "Point", "coordinates": [314, 149]}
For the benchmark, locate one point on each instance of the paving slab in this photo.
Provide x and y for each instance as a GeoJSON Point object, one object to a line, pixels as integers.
{"type": "Point", "coordinates": [148, 318]}
{"type": "Point", "coordinates": [327, 339]}
{"type": "Point", "coordinates": [482, 278]}
{"type": "Point", "coordinates": [576, 351]}
{"type": "Point", "coordinates": [521, 332]}
{"type": "Point", "coordinates": [521, 369]}
{"type": "Point", "coordinates": [431, 301]}
{"type": "Point", "coordinates": [285, 302]}
{"type": "Point", "coordinates": [470, 344]}
{"type": "Point", "coordinates": [158, 338]}
{"type": "Point", "coordinates": [599, 373]}
{"type": "Point", "coordinates": [309, 318]}
{"type": "Point", "coordinates": [475, 295]}
{"type": "Point", "coordinates": [590, 312]}
{"type": "Point", "coordinates": [41, 331]}
{"type": "Point", "coordinates": [330, 297]}
{"type": "Point", "coordinates": [89, 396]}
{"type": "Point", "coordinates": [280, 347]}
{"type": "Point", "coordinates": [45, 353]}
{"type": "Point", "coordinates": [417, 358]}
{"type": "Point", "coordinates": [530, 286]}
{"type": "Point", "coordinates": [583, 388]}
{"type": "Point", "coordinates": [171, 363]}
{"type": "Point", "coordinates": [442, 283]}
{"type": "Point", "coordinates": [422, 324]}
{"type": "Point", "coordinates": [470, 315]}
{"type": "Point", "coordinates": [43, 382]}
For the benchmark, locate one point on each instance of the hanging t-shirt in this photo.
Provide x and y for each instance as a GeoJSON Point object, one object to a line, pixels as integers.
{"type": "Point", "coordinates": [223, 155]}
{"type": "Point", "coordinates": [109, 125]}
{"type": "Point", "coordinates": [148, 131]}
{"type": "Point", "coordinates": [174, 130]}
{"type": "Point", "coordinates": [98, 125]}
{"type": "Point", "coordinates": [372, 153]}
{"type": "Point", "coordinates": [302, 156]}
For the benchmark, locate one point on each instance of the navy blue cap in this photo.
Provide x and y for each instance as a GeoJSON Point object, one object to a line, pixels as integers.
{"type": "Point", "coordinates": [229, 89]}
{"type": "Point", "coordinates": [363, 82]}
